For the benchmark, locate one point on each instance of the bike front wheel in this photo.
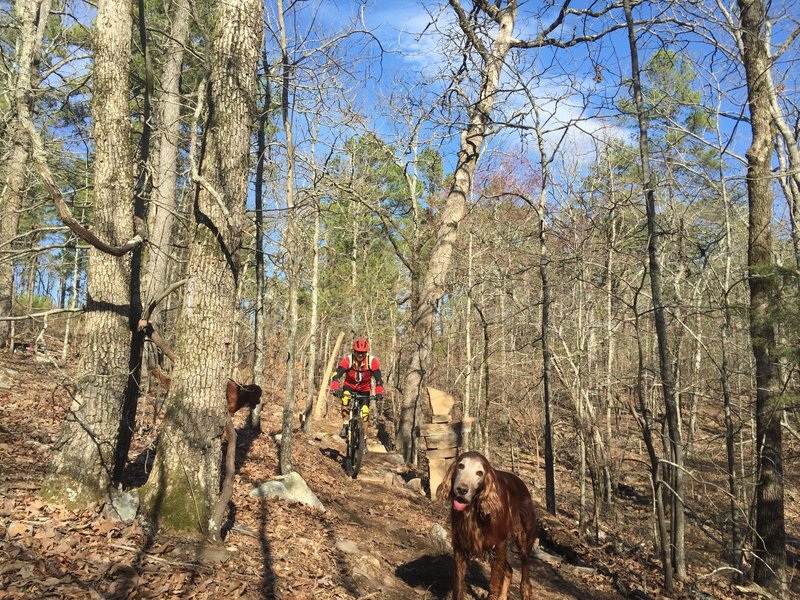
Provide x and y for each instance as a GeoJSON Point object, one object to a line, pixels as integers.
{"type": "Point", "coordinates": [356, 444]}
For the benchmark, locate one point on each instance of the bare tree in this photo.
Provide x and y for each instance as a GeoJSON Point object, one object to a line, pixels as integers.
{"type": "Point", "coordinates": [486, 33]}
{"type": "Point", "coordinates": [665, 355]}
{"type": "Point", "coordinates": [259, 317]}
{"type": "Point", "coordinates": [291, 255]}
{"type": "Point", "coordinates": [491, 61]}
{"type": "Point", "coordinates": [770, 535]}
{"type": "Point", "coordinates": [32, 15]}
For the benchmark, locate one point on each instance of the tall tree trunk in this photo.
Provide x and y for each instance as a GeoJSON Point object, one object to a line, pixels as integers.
{"type": "Point", "coordinates": [467, 403]}
{"type": "Point", "coordinates": [770, 535]}
{"type": "Point", "coordinates": [259, 321]}
{"type": "Point", "coordinates": [432, 289]}
{"type": "Point", "coordinates": [31, 16]}
{"type": "Point", "coordinates": [291, 256]}
{"type": "Point", "coordinates": [485, 371]}
{"type": "Point", "coordinates": [163, 203]}
{"type": "Point", "coordinates": [609, 399]}
{"type": "Point", "coordinates": [644, 418]}
{"type": "Point", "coordinates": [185, 481]}
{"type": "Point", "coordinates": [666, 361]}
{"type": "Point", "coordinates": [354, 267]}
{"type": "Point", "coordinates": [84, 457]}
{"type": "Point", "coordinates": [549, 458]}
{"type": "Point", "coordinates": [313, 324]}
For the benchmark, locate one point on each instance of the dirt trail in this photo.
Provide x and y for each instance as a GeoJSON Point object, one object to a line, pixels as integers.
{"type": "Point", "coordinates": [376, 539]}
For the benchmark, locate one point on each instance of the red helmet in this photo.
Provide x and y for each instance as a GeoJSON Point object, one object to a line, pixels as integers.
{"type": "Point", "coordinates": [360, 345]}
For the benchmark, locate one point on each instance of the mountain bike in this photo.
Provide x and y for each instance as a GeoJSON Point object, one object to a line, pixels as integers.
{"type": "Point", "coordinates": [356, 436]}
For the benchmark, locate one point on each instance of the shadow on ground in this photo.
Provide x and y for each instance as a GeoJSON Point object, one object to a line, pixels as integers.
{"type": "Point", "coordinates": [434, 573]}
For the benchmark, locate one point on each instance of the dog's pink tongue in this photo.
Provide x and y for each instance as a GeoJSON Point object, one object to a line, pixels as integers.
{"type": "Point", "coordinates": [459, 506]}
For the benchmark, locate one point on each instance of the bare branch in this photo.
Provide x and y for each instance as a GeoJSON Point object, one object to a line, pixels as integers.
{"type": "Point", "coordinates": [40, 158]}
{"type": "Point", "coordinates": [44, 314]}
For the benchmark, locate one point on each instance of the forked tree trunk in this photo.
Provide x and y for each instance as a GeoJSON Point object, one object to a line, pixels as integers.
{"type": "Point", "coordinates": [185, 480]}
{"type": "Point", "coordinates": [433, 287]}
{"type": "Point", "coordinates": [84, 457]}
{"type": "Point", "coordinates": [770, 534]}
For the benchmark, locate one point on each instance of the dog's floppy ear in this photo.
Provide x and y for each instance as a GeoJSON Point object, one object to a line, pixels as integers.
{"type": "Point", "coordinates": [446, 487]}
{"type": "Point", "coordinates": [489, 502]}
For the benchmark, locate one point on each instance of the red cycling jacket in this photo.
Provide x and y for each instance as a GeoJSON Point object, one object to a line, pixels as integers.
{"type": "Point", "coordinates": [358, 376]}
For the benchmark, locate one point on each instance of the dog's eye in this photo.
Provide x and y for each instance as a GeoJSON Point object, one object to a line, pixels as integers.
{"type": "Point", "coordinates": [479, 473]}
{"type": "Point", "coordinates": [461, 466]}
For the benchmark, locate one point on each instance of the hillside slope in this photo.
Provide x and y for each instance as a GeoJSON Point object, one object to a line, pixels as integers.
{"type": "Point", "coordinates": [377, 538]}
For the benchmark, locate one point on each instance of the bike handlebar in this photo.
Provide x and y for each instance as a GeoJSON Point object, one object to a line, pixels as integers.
{"type": "Point", "coordinates": [370, 397]}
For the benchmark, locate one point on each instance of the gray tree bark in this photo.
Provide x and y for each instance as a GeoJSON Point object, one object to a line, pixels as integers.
{"type": "Point", "coordinates": [291, 257]}
{"type": "Point", "coordinates": [184, 484]}
{"type": "Point", "coordinates": [472, 138]}
{"type": "Point", "coordinates": [770, 535]}
{"type": "Point", "coordinates": [86, 454]}
{"type": "Point", "coordinates": [163, 204]}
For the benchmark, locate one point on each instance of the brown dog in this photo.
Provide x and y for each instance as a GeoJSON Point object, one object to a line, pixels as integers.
{"type": "Point", "coordinates": [488, 508]}
{"type": "Point", "coordinates": [239, 395]}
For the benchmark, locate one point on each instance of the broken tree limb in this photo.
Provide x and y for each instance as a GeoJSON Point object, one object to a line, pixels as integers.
{"type": "Point", "coordinates": [320, 408]}
{"type": "Point", "coordinates": [64, 213]}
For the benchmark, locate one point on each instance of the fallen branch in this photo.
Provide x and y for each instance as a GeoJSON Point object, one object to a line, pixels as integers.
{"type": "Point", "coordinates": [155, 558]}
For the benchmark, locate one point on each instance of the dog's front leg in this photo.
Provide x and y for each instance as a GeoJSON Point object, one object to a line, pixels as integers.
{"type": "Point", "coordinates": [500, 578]}
{"type": "Point", "coordinates": [459, 573]}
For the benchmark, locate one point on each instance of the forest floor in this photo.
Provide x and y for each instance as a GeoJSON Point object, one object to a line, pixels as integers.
{"type": "Point", "coordinates": [377, 537]}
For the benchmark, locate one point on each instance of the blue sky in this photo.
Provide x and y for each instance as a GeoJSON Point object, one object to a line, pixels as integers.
{"type": "Point", "coordinates": [563, 81]}
{"type": "Point", "coordinates": [564, 78]}
{"type": "Point", "coordinates": [412, 52]}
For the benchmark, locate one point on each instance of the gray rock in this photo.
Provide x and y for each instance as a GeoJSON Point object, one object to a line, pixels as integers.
{"type": "Point", "coordinates": [375, 447]}
{"type": "Point", "coordinates": [288, 487]}
{"type": "Point", "coordinates": [415, 485]}
{"type": "Point", "coordinates": [394, 458]}
{"type": "Point", "coordinates": [347, 546]}
{"type": "Point", "coordinates": [121, 506]}
{"type": "Point", "coordinates": [441, 538]}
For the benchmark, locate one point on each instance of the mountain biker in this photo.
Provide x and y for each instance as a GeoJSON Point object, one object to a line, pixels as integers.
{"type": "Point", "coordinates": [358, 369]}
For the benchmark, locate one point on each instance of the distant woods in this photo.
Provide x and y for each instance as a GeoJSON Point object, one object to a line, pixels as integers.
{"type": "Point", "coordinates": [583, 224]}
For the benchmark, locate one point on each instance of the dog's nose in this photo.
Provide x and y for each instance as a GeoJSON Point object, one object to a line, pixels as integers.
{"type": "Point", "coordinates": [461, 490]}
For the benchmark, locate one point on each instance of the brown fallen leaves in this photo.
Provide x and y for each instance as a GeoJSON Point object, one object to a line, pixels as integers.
{"type": "Point", "coordinates": [373, 541]}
